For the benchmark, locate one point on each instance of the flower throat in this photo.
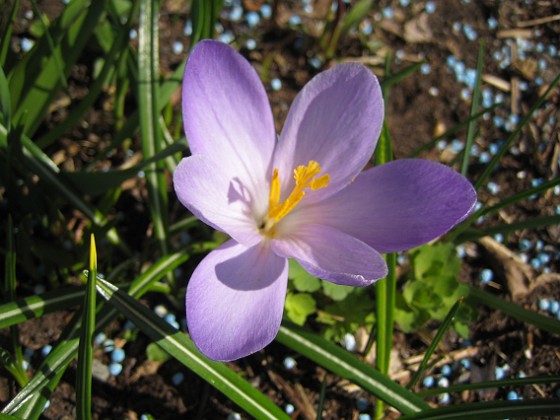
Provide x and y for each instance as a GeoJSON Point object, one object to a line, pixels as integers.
{"type": "Point", "coordinates": [305, 177]}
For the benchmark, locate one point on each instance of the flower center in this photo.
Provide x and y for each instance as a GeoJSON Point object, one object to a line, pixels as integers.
{"type": "Point", "coordinates": [305, 177]}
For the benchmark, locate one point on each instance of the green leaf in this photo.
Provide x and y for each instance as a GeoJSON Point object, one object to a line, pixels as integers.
{"type": "Point", "coordinates": [5, 106]}
{"type": "Point", "coordinates": [490, 410]}
{"type": "Point", "coordinates": [299, 306]}
{"type": "Point", "coordinates": [540, 321]}
{"type": "Point", "coordinates": [434, 343]}
{"type": "Point", "coordinates": [152, 143]}
{"type": "Point", "coordinates": [85, 348]}
{"type": "Point", "coordinates": [182, 349]}
{"type": "Point", "coordinates": [156, 353]}
{"type": "Point", "coordinates": [471, 130]}
{"type": "Point", "coordinates": [335, 291]}
{"type": "Point", "coordinates": [302, 280]}
{"type": "Point", "coordinates": [342, 363]}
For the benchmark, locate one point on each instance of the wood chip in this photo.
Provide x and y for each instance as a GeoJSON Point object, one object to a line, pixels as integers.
{"type": "Point", "coordinates": [515, 33]}
{"type": "Point", "coordinates": [538, 21]}
{"type": "Point", "coordinates": [497, 82]}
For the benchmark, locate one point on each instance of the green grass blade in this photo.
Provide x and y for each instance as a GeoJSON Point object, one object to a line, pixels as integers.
{"type": "Point", "coordinates": [433, 345]}
{"type": "Point", "coordinates": [77, 113]}
{"type": "Point", "coordinates": [385, 289]}
{"type": "Point", "coordinates": [95, 183]}
{"type": "Point", "coordinates": [400, 75]}
{"type": "Point", "coordinates": [182, 349]}
{"type": "Point", "coordinates": [10, 295]}
{"type": "Point", "coordinates": [484, 211]}
{"type": "Point", "coordinates": [85, 347]}
{"type": "Point", "coordinates": [506, 228]}
{"type": "Point", "coordinates": [6, 36]}
{"type": "Point", "coordinates": [491, 410]}
{"type": "Point", "coordinates": [471, 128]}
{"type": "Point", "coordinates": [452, 131]}
{"type": "Point", "coordinates": [65, 351]}
{"type": "Point", "coordinates": [344, 364]}
{"type": "Point", "coordinates": [496, 159]}
{"type": "Point", "coordinates": [148, 59]}
{"type": "Point", "coordinates": [21, 310]}
{"type": "Point", "coordinates": [540, 321]}
{"type": "Point", "coordinates": [5, 106]}
{"type": "Point", "coordinates": [39, 86]}
{"type": "Point", "coordinates": [512, 382]}
{"type": "Point", "coordinates": [55, 53]}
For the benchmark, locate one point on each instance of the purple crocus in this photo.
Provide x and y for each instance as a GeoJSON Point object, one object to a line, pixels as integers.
{"type": "Point", "coordinates": [302, 195]}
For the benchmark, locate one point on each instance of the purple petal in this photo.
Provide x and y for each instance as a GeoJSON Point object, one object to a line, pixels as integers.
{"type": "Point", "coordinates": [332, 255]}
{"type": "Point", "coordinates": [217, 198]}
{"type": "Point", "coordinates": [335, 120]}
{"type": "Point", "coordinates": [235, 300]}
{"type": "Point", "coordinates": [398, 205]}
{"type": "Point", "coordinates": [226, 113]}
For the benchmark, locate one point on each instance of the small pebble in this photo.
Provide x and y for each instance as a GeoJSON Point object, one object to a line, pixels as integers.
{"type": "Point", "coordinates": [428, 381]}
{"type": "Point", "coordinates": [294, 20]}
{"type": "Point", "coordinates": [289, 363]}
{"type": "Point", "coordinates": [266, 11]}
{"type": "Point", "coordinates": [26, 44]}
{"type": "Point", "coordinates": [118, 355]}
{"type": "Point", "coordinates": [362, 404]}
{"type": "Point", "coordinates": [443, 382]}
{"type": "Point", "coordinates": [486, 276]}
{"type": "Point", "coordinates": [430, 7]}
{"type": "Point", "coordinates": [108, 345]}
{"type": "Point", "coordinates": [46, 350]}
{"type": "Point", "coordinates": [236, 13]}
{"type": "Point", "coordinates": [177, 47]}
{"type": "Point", "coordinates": [493, 187]}
{"type": "Point", "coordinates": [536, 263]}
{"type": "Point", "coordinates": [444, 398]}
{"type": "Point", "coordinates": [349, 342]}
{"type": "Point", "coordinates": [289, 409]}
{"type": "Point", "coordinates": [100, 338]}
{"type": "Point", "coordinates": [525, 245]}
{"type": "Point", "coordinates": [499, 372]}
{"type": "Point", "coordinates": [115, 369]}
{"type": "Point", "coordinates": [253, 19]}
{"type": "Point", "coordinates": [276, 84]}
{"type": "Point", "coordinates": [160, 310]}
{"type": "Point", "coordinates": [544, 304]}
{"type": "Point", "coordinates": [512, 396]}
{"type": "Point", "coordinates": [178, 378]}
{"type": "Point", "coordinates": [388, 13]}
{"type": "Point", "coordinates": [251, 44]}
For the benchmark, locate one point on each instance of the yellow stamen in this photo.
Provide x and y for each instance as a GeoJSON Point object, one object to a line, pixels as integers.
{"type": "Point", "coordinates": [305, 177]}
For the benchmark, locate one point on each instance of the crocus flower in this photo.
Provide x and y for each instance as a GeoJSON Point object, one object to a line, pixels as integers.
{"type": "Point", "coordinates": [302, 195]}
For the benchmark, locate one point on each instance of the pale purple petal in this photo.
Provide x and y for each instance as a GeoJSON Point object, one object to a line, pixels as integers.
{"type": "Point", "coordinates": [226, 113]}
{"type": "Point", "coordinates": [332, 255]}
{"type": "Point", "coordinates": [398, 205]}
{"type": "Point", "coordinates": [217, 197]}
{"type": "Point", "coordinates": [235, 300]}
{"type": "Point", "coordinates": [335, 120]}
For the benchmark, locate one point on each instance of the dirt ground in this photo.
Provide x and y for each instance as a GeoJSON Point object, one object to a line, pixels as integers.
{"type": "Point", "coordinates": [421, 106]}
